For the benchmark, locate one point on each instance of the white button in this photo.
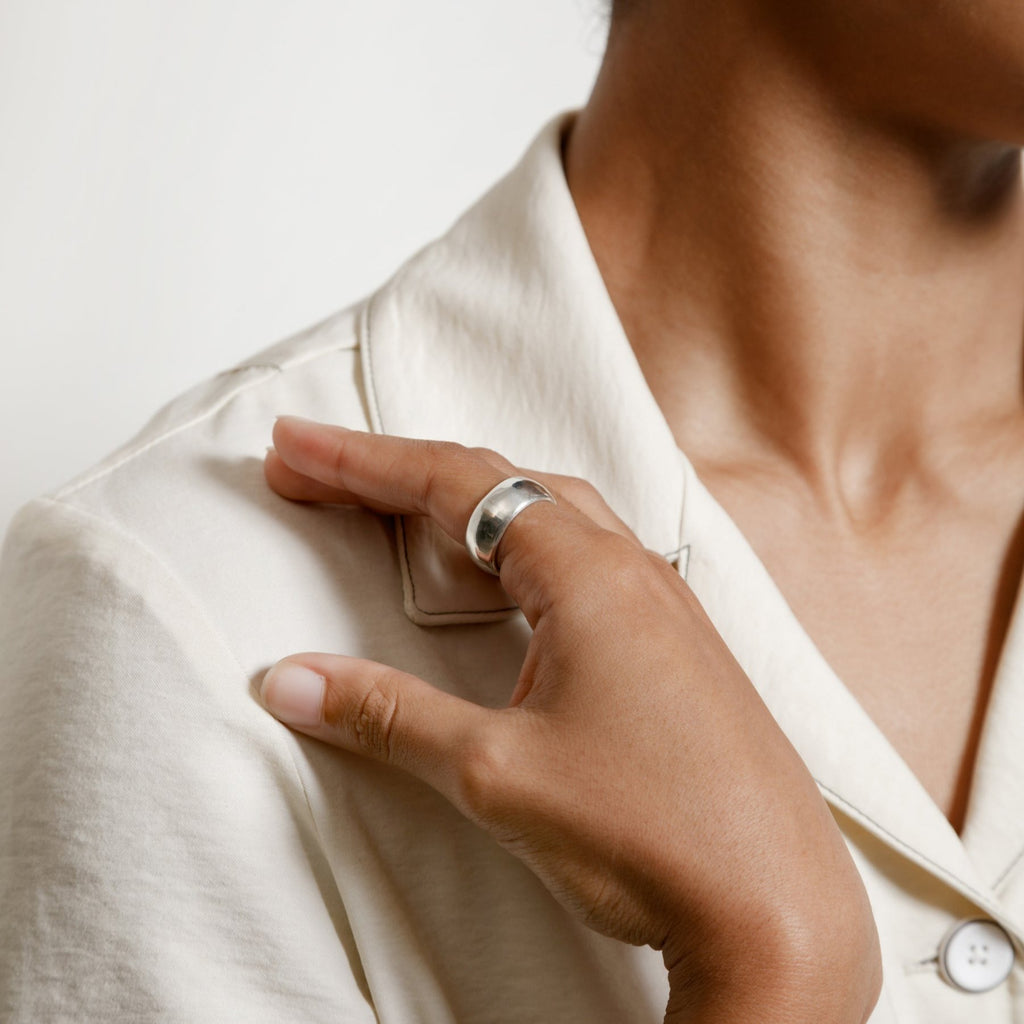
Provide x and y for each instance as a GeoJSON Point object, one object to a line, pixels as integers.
{"type": "Point", "coordinates": [976, 955]}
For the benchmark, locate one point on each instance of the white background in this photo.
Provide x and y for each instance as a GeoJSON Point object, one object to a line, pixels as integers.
{"type": "Point", "coordinates": [184, 182]}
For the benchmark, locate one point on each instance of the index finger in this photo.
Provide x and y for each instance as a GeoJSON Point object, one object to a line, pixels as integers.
{"type": "Point", "coordinates": [444, 481]}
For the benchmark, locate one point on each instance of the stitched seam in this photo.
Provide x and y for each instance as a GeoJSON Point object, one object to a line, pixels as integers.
{"type": "Point", "coordinates": [671, 556]}
{"type": "Point", "coordinates": [372, 391]}
{"type": "Point", "coordinates": [981, 899]}
{"type": "Point", "coordinates": [1008, 870]}
{"type": "Point", "coordinates": [371, 373]}
{"type": "Point", "coordinates": [369, 312]}
{"type": "Point", "coordinates": [345, 345]}
{"type": "Point", "coordinates": [682, 461]}
{"type": "Point", "coordinates": [902, 844]}
{"type": "Point", "coordinates": [412, 586]}
{"type": "Point", "coordinates": [244, 386]}
{"type": "Point", "coordinates": [135, 452]}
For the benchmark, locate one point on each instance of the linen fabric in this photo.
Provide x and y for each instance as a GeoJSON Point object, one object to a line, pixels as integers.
{"type": "Point", "coordinates": [169, 852]}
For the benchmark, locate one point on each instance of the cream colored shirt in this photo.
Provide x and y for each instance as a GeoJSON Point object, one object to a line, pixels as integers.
{"type": "Point", "coordinates": [170, 852]}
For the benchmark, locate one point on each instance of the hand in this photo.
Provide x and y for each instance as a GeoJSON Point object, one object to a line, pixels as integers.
{"type": "Point", "coordinates": [635, 770]}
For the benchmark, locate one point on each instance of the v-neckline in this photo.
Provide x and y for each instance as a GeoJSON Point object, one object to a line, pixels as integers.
{"type": "Point", "coordinates": [854, 763]}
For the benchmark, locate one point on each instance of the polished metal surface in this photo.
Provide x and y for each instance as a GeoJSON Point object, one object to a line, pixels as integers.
{"type": "Point", "coordinates": [493, 513]}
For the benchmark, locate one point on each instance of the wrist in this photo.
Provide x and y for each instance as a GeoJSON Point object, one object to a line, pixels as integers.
{"type": "Point", "coordinates": [796, 971]}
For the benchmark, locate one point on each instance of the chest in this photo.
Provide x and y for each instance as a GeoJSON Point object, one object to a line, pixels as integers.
{"type": "Point", "coordinates": [912, 620]}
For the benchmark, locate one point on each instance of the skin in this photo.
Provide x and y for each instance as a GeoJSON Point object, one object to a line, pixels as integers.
{"type": "Point", "coordinates": [809, 218]}
{"type": "Point", "coordinates": [746, 885]}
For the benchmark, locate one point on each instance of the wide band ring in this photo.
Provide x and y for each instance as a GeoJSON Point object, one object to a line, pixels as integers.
{"type": "Point", "coordinates": [493, 513]}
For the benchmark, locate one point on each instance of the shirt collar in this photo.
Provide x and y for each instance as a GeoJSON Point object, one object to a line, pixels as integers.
{"type": "Point", "coordinates": [501, 334]}
{"type": "Point", "coordinates": [859, 772]}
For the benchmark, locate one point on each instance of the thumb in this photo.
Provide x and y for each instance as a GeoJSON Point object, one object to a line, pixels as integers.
{"type": "Point", "coordinates": [377, 711]}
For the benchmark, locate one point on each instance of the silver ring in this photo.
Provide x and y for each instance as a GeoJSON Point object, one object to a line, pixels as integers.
{"type": "Point", "coordinates": [494, 511]}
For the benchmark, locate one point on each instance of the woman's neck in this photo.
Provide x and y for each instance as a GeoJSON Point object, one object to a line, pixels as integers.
{"type": "Point", "coordinates": [804, 282]}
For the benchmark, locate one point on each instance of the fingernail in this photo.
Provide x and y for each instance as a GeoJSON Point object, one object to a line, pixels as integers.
{"type": "Point", "coordinates": [306, 421]}
{"type": "Point", "coordinates": [294, 694]}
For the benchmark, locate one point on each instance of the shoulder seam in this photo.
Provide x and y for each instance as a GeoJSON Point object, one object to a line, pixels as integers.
{"type": "Point", "coordinates": [268, 370]}
{"type": "Point", "coordinates": [128, 456]}
{"type": "Point", "coordinates": [348, 345]}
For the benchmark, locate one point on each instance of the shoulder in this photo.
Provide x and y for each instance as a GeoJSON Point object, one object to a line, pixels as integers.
{"type": "Point", "coordinates": [314, 370]}
{"type": "Point", "coordinates": [184, 507]}
{"type": "Point", "coordinates": [418, 358]}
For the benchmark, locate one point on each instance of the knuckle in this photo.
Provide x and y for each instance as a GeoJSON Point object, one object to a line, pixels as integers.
{"type": "Point", "coordinates": [486, 775]}
{"type": "Point", "coordinates": [585, 487]}
{"type": "Point", "coordinates": [617, 554]}
{"type": "Point", "coordinates": [369, 719]}
{"type": "Point", "coordinates": [429, 487]}
{"type": "Point", "coordinates": [443, 450]}
{"type": "Point", "coordinates": [631, 572]}
{"type": "Point", "coordinates": [339, 459]}
{"type": "Point", "coordinates": [490, 456]}
{"type": "Point", "coordinates": [665, 571]}
{"type": "Point", "coordinates": [579, 491]}
{"type": "Point", "coordinates": [441, 456]}
{"type": "Point", "coordinates": [658, 563]}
